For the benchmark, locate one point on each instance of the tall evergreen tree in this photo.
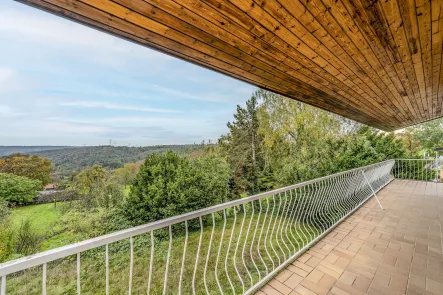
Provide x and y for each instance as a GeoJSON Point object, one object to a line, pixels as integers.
{"type": "Point", "coordinates": [242, 146]}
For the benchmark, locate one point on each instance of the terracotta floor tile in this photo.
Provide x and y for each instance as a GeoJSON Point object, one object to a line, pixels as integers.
{"type": "Point", "coordinates": [393, 251]}
{"type": "Point", "coordinates": [283, 289]}
{"type": "Point", "coordinates": [293, 281]}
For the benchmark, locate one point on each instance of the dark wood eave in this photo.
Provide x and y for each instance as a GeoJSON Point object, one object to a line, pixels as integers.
{"type": "Point", "coordinates": [377, 62]}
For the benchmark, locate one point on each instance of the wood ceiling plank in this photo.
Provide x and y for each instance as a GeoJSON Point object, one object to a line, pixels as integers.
{"type": "Point", "coordinates": [409, 18]}
{"type": "Point", "coordinates": [311, 46]}
{"type": "Point", "coordinates": [286, 73]}
{"type": "Point", "coordinates": [268, 22]}
{"type": "Point", "coordinates": [235, 14]}
{"type": "Point", "coordinates": [324, 26]}
{"type": "Point", "coordinates": [424, 25]}
{"type": "Point", "coordinates": [186, 13]}
{"type": "Point", "coordinates": [391, 14]}
{"type": "Point", "coordinates": [372, 51]}
{"type": "Point", "coordinates": [409, 15]}
{"type": "Point", "coordinates": [437, 43]}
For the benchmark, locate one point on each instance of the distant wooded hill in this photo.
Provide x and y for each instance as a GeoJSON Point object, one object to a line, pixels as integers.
{"type": "Point", "coordinates": [67, 160]}
{"type": "Point", "coordinates": [8, 150]}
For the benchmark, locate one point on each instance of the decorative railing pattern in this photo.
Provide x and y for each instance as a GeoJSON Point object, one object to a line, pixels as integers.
{"type": "Point", "coordinates": [418, 169]}
{"type": "Point", "coordinates": [231, 248]}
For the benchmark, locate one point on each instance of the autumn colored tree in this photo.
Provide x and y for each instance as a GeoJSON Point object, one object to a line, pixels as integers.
{"type": "Point", "coordinates": [126, 174]}
{"type": "Point", "coordinates": [33, 167]}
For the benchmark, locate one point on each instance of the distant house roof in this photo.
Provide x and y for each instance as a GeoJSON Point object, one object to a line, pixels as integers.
{"type": "Point", "coordinates": [439, 149]}
{"type": "Point", "coordinates": [50, 186]}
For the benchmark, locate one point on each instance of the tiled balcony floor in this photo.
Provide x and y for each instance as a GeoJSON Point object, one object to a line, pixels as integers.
{"type": "Point", "coordinates": [393, 251]}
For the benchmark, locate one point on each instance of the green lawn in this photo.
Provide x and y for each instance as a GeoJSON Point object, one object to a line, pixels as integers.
{"type": "Point", "coordinates": [42, 216]}
{"type": "Point", "coordinates": [55, 227]}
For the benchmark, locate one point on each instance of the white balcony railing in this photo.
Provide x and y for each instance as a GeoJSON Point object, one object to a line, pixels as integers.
{"type": "Point", "coordinates": [231, 248]}
{"type": "Point", "coordinates": [418, 169]}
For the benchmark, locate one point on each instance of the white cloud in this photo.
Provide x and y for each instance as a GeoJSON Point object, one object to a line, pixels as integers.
{"type": "Point", "coordinates": [114, 106]}
{"type": "Point", "coordinates": [206, 96]}
{"type": "Point", "coordinates": [169, 121]}
{"type": "Point", "coordinates": [8, 112]}
{"type": "Point", "coordinates": [6, 75]}
{"type": "Point", "coordinates": [8, 79]}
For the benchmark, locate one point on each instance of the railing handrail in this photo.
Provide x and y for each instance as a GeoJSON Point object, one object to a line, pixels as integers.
{"type": "Point", "coordinates": [414, 159]}
{"type": "Point", "coordinates": [68, 250]}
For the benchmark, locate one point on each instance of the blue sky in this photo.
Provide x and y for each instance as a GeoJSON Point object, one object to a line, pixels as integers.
{"type": "Point", "coordinates": [62, 83]}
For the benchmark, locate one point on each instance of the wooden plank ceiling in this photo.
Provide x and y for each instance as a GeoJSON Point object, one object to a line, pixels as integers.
{"type": "Point", "coordinates": [377, 62]}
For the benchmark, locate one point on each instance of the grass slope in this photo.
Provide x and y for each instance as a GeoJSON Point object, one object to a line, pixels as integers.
{"type": "Point", "coordinates": [241, 260]}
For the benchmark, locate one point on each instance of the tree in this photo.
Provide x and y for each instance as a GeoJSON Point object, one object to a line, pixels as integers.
{"type": "Point", "coordinates": [126, 174]}
{"type": "Point", "coordinates": [90, 179]}
{"type": "Point", "coordinates": [33, 167]}
{"type": "Point", "coordinates": [296, 138]}
{"type": "Point", "coordinates": [18, 189]}
{"type": "Point", "coordinates": [429, 134]}
{"type": "Point", "coordinates": [168, 185]}
{"type": "Point", "coordinates": [366, 146]}
{"type": "Point", "coordinates": [242, 146]}
{"type": "Point", "coordinates": [216, 174]}
{"type": "Point", "coordinates": [411, 145]}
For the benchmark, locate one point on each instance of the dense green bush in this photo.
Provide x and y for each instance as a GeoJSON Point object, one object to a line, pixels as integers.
{"type": "Point", "coordinates": [18, 189]}
{"type": "Point", "coordinates": [363, 147]}
{"type": "Point", "coordinates": [169, 185]}
{"type": "Point", "coordinates": [28, 240]}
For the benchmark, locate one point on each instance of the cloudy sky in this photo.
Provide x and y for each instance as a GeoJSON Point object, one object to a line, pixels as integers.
{"type": "Point", "coordinates": [62, 83]}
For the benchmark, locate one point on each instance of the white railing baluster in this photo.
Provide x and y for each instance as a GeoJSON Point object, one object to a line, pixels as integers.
{"type": "Point", "coordinates": [217, 279]}
{"type": "Point", "coordinates": [246, 241]}
{"type": "Point", "coordinates": [131, 264]}
{"type": "Point", "coordinates": [44, 279]}
{"type": "Point", "coordinates": [273, 228]}
{"type": "Point", "coordinates": [197, 256]}
{"type": "Point", "coordinates": [209, 253]}
{"type": "Point", "coordinates": [151, 262]}
{"type": "Point", "coordinates": [227, 251]}
{"type": "Point", "coordinates": [165, 284]}
{"type": "Point", "coordinates": [251, 248]}
{"type": "Point", "coordinates": [281, 225]}
{"type": "Point", "coordinates": [107, 268]}
{"type": "Point", "coordinates": [185, 245]}
{"type": "Point", "coordinates": [78, 275]}
{"type": "Point", "coordinates": [267, 231]}
{"type": "Point", "coordinates": [236, 249]}
{"type": "Point", "coordinates": [259, 237]}
{"type": "Point", "coordinates": [3, 287]}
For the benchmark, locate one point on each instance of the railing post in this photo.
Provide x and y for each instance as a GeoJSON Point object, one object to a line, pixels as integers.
{"type": "Point", "coordinates": [3, 288]}
{"type": "Point", "coordinates": [373, 192]}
